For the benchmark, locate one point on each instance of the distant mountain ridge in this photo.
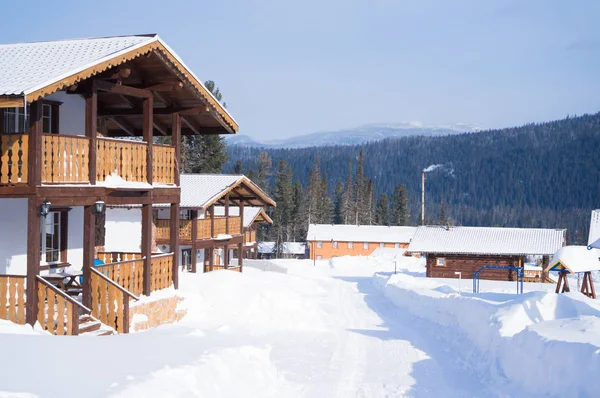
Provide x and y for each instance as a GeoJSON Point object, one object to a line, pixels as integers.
{"type": "Point", "coordinates": [356, 136]}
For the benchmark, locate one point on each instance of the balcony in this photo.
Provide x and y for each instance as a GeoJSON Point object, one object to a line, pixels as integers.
{"type": "Point", "coordinates": [65, 159]}
{"type": "Point", "coordinates": [203, 228]}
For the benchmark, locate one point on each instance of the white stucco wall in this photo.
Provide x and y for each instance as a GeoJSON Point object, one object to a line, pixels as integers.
{"type": "Point", "coordinates": [123, 230]}
{"type": "Point", "coordinates": [13, 230]}
{"type": "Point", "coordinates": [72, 113]}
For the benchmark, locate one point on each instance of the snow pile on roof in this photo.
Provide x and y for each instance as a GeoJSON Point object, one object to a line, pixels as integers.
{"type": "Point", "coordinates": [576, 259]}
{"type": "Point", "coordinates": [27, 66]}
{"type": "Point", "coordinates": [594, 236]}
{"type": "Point", "coordinates": [197, 190]}
{"type": "Point", "coordinates": [360, 233]}
{"type": "Point", "coordinates": [266, 247]}
{"type": "Point", "coordinates": [520, 338]}
{"type": "Point", "coordinates": [483, 240]}
{"type": "Point", "coordinates": [293, 248]}
{"type": "Point", "coordinates": [116, 181]}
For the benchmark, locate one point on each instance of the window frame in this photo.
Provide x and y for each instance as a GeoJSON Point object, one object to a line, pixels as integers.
{"type": "Point", "coordinates": [319, 244]}
{"type": "Point", "coordinates": [350, 245]}
{"type": "Point", "coordinates": [365, 245]}
{"type": "Point", "coordinates": [396, 245]}
{"type": "Point", "coordinates": [381, 244]}
{"type": "Point", "coordinates": [439, 263]}
{"type": "Point", "coordinates": [63, 239]}
{"type": "Point", "coordinates": [335, 244]}
{"type": "Point", "coordinates": [53, 118]}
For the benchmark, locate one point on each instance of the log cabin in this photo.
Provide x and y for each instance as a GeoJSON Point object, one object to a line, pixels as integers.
{"type": "Point", "coordinates": [464, 250]}
{"type": "Point", "coordinates": [328, 240]}
{"type": "Point", "coordinates": [78, 122]}
{"type": "Point", "coordinates": [210, 228]}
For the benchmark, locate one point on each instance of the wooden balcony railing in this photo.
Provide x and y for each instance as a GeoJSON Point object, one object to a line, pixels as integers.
{"type": "Point", "coordinates": [203, 228]}
{"type": "Point", "coordinates": [115, 257]}
{"type": "Point", "coordinates": [163, 164]}
{"type": "Point", "coordinates": [121, 157]}
{"type": "Point", "coordinates": [13, 158]}
{"type": "Point", "coordinates": [110, 302]}
{"type": "Point", "coordinates": [12, 298]}
{"type": "Point", "coordinates": [65, 159]}
{"type": "Point", "coordinates": [57, 312]}
{"type": "Point", "coordinates": [250, 236]}
{"type": "Point", "coordinates": [128, 274]}
{"type": "Point", "coordinates": [161, 272]}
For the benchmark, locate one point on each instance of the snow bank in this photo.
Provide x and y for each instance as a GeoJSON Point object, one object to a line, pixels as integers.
{"type": "Point", "coordinates": [229, 372]}
{"type": "Point", "coordinates": [547, 343]}
{"type": "Point", "coordinates": [265, 265]}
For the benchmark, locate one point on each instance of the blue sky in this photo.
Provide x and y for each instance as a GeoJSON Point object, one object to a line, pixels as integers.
{"type": "Point", "coordinates": [289, 68]}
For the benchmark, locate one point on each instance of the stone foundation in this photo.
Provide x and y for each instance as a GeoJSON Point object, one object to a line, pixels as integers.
{"type": "Point", "coordinates": [154, 313]}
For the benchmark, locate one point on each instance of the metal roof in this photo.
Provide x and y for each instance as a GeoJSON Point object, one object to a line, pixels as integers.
{"type": "Point", "coordinates": [487, 241]}
{"type": "Point", "coordinates": [250, 213]}
{"type": "Point", "coordinates": [359, 233]}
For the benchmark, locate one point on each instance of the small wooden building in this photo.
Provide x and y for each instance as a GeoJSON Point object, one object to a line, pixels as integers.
{"type": "Point", "coordinates": [576, 260]}
{"type": "Point", "coordinates": [450, 250]}
{"type": "Point", "coordinates": [328, 240]}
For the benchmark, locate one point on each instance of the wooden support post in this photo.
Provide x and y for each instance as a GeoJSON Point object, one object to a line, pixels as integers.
{"type": "Point", "coordinates": [34, 168]}
{"type": "Point", "coordinates": [241, 245]}
{"type": "Point", "coordinates": [212, 222]}
{"type": "Point", "coordinates": [566, 288]}
{"type": "Point", "coordinates": [89, 247]}
{"type": "Point", "coordinates": [194, 238]}
{"type": "Point", "coordinates": [147, 246]}
{"type": "Point", "coordinates": [33, 259]}
{"type": "Point", "coordinates": [227, 214]}
{"type": "Point", "coordinates": [176, 142]}
{"type": "Point", "coordinates": [211, 259]}
{"type": "Point", "coordinates": [174, 241]}
{"type": "Point", "coordinates": [91, 128]}
{"type": "Point", "coordinates": [256, 250]}
{"type": "Point", "coordinates": [147, 127]}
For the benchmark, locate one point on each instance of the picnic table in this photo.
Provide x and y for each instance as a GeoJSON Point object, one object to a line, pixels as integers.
{"type": "Point", "coordinates": [66, 281]}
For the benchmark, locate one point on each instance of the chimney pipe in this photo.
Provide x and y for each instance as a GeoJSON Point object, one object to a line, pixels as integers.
{"type": "Point", "coordinates": [423, 198]}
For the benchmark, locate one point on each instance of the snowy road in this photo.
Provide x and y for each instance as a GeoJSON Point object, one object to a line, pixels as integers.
{"type": "Point", "coordinates": [372, 349]}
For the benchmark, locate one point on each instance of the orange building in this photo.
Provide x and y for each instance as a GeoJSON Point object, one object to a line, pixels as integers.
{"type": "Point", "coordinates": [328, 241]}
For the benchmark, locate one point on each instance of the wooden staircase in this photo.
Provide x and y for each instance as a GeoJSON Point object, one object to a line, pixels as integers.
{"type": "Point", "coordinates": [90, 326]}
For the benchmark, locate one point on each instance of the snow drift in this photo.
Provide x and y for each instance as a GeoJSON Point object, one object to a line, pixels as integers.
{"type": "Point", "coordinates": [548, 344]}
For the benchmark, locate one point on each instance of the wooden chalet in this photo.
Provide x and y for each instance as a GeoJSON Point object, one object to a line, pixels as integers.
{"type": "Point", "coordinates": [219, 215]}
{"type": "Point", "coordinates": [78, 122]}
{"type": "Point", "coordinates": [453, 250]}
{"type": "Point", "coordinates": [576, 260]}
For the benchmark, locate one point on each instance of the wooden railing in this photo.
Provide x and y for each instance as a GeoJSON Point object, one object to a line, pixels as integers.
{"type": "Point", "coordinates": [12, 298]}
{"type": "Point", "coordinates": [161, 271]}
{"type": "Point", "coordinates": [203, 228]}
{"type": "Point", "coordinates": [126, 159]}
{"type": "Point", "coordinates": [234, 225]}
{"type": "Point", "coordinates": [250, 236]}
{"type": "Point", "coordinates": [13, 158]}
{"type": "Point", "coordinates": [110, 302]}
{"type": "Point", "coordinates": [57, 312]}
{"type": "Point", "coordinates": [65, 159]}
{"type": "Point", "coordinates": [127, 274]}
{"type": "Point", "coordinates": [163, 164]}
{"type": "Point", "coordinates": [115, 257]}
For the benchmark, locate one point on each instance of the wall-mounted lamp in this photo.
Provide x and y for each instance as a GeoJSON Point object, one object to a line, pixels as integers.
{"type": "Point", "coordinates": [98, 207]}
{"type": "Point", "coordinates": [44, 209]}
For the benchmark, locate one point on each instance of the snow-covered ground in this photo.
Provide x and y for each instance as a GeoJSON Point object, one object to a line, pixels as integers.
{"type": "Point", "coordinates": [345, 328]}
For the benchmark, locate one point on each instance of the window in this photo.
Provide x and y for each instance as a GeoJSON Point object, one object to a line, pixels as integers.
{"type": "Point", "coordinates": [366, 245]}
{"type": "Point", "coordinates": [397, 245]}
{"type": "Point", "coordinates": [335, 245]}
{"type": "Point", "coordinates": [186, 259]}
{"type": "Point", "coordinates": [381, 245]}
{"type": "Point", "coordinates": [440, 262]}
{"type": "Point", "coordinates": [320, 244]}
{"type": "Point", "coordinates": [350, 245]}
{"type": "Point", "coordinates": [54, 238]}
{"type": "Point", "coordinates": [14, 120]}
{"type": "Point", "coordinates": [185, 214]}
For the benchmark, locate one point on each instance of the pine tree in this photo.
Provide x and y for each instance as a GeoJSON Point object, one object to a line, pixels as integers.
{"type": "Point", "coordinates": [359, 191]}
{"type": "Point", "coordinates": [370, 218]}
{"type": "Point", "coordinates": [347, 208]}
{"type": "Point", "coordinates": [313, 194]}
{"type": "Point", "coordinates": [325, 205]}
{"type": "Point", "coordinates": [444, 220]}
{"type": "Point", "coordinates": [283, 195]}
{"type": "Point", "coordinates": [400, 209]}
{"type": "Point", "coordinates": [298, 224]}
{"type": "Point", "coordinates": [237, 169]}
{"type": "Point", "coordinates": [381, 212]}
{"type": "Point", "coordinates": [264, 171]}
{"type": "Point", "coordinates": [338, 203]}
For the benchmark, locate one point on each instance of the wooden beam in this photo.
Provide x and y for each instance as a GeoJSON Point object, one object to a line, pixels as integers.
{"type": "Point", "coordinates": [166, 86]}
{"type": "Point", "coordinates": [114, 88]}
{"type": "Point", "coordinates": [161, 128]}
{"type": "Point", "coordinates": [33, 260]}
{"type": "Point", "coordinates": [125, 126]}
{"type": "Point", "coordinates": [158, 111]}
{"type": "Point", "coordinates": [147, 133]}
{"type": "Point", "coordinates": [194, 129]}
{"type": "Point", "coordinates": [176, 143]}
{"type": "Point", "coordinates": [11, 101]}
{"type": "Point", "coordinates": [174, 242]}
{"type": "Point", "coordinates": [194, 238]}
{"type": "Point", "coordinates": [34, 171]}
{"type": "Point", "coordinates": [91, 128]}
{"type": "Point", "coordinates": [89, 243]}
{"type": "Point", "coordinates": [147, 246]}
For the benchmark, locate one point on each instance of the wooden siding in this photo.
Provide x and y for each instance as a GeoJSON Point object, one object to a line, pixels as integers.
{"type": "Point", "coordinates": [327, 250]}
{"type": "Point", "coordinates": [468, 264]}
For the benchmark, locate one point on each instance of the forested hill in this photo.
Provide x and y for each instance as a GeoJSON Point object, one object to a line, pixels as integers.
{"type": "Point", "coordinates": [537, 175]}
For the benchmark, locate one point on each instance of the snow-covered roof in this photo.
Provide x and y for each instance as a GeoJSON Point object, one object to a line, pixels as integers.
{"type": "Point", "coordinates": [594, 236]}
{"type": "Point", "coordinates": [40, 68]}
{"type": "Point", "coordinates": [484, 240]}
{"type": "Point", "coordinates": [250, 214]}
{"type": "Point", "coordinates": [266, 247]}
{"type": "Point", "coordinates": [204, 190]}
{"type": "Point", "coordinates": [359, 233]}
{"type": "Point", "coordinates": [286, 247]}
{"type": "Point", "coordinates": [576, 259]}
